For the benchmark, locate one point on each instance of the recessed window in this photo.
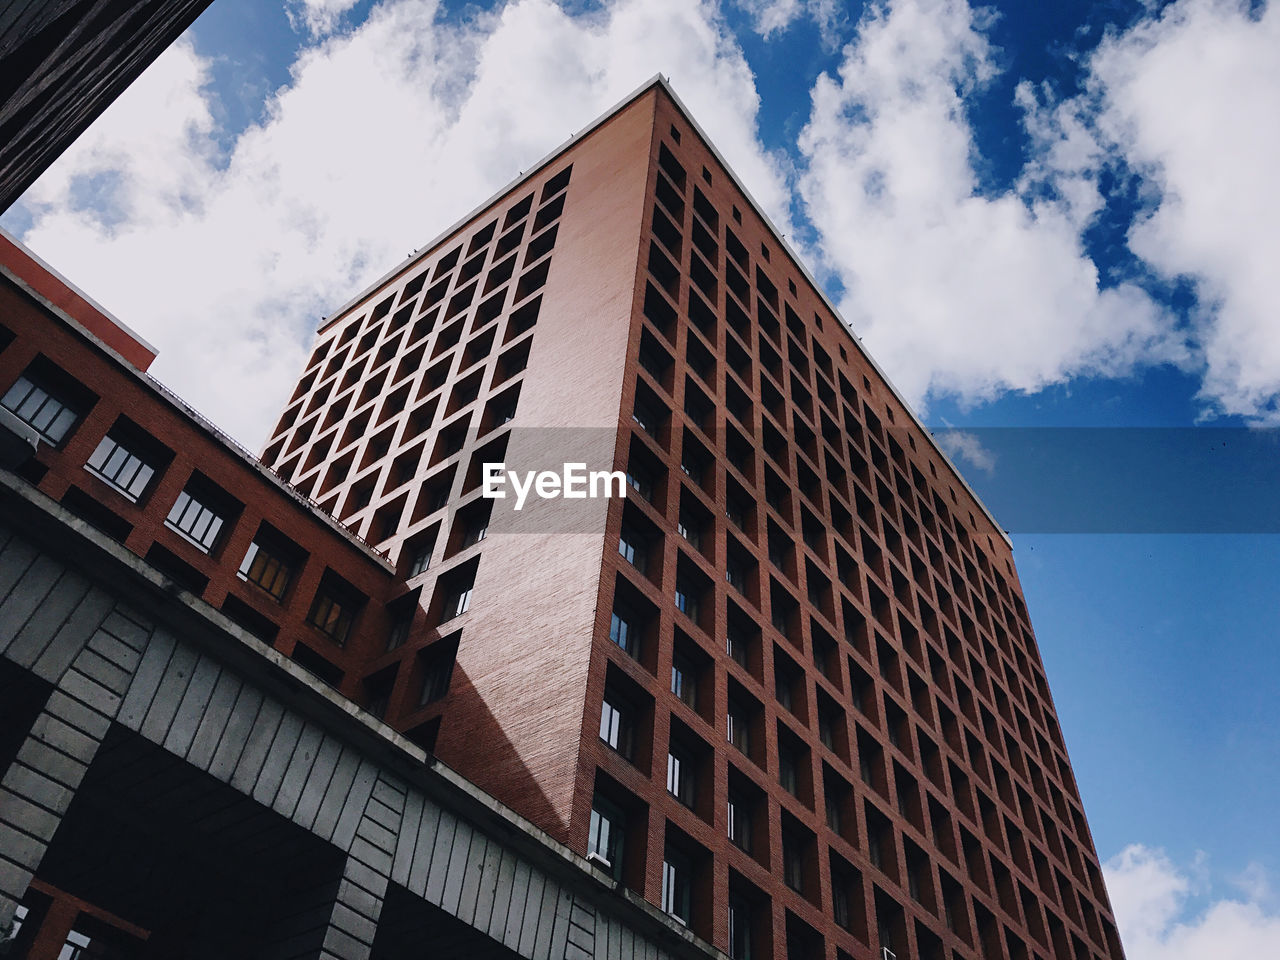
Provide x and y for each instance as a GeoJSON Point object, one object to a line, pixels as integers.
{"type": "Point", "coordinates": [47, 400]}
{"type": "Point", "coordinates": [739, 920]}
{"type": "Point", "coordinates": [738, 727]}
{"type": "Point", "coordinates": [437, 669]}
{"type": "Point", "coordinates": [739, 821]}
{"type": "Point", "coordinates": [687, 527]}
{"type": "Point", "coordinates": [686, 597]}
{"type": "Point", "coordinates": [127, 460]}
{"type": "Point", "coordinates": [400, 615]}
{"type": "Point", "coordinates": [676, 885]}
{"type": "Point", "coordinates": [615, 724]}
{"type": "Point", "coordinates": [632, 547]}
{"type": "Point", "coordinates": [456, 602]}
{"type": "Point", "coordinates": [622, 631]}
{"type": "Point", "coordinates": [680, 777]}
{"type": "Point", "coordinates": [470, 524]}
{"type": "Point", "coordinates": [334, 609]}
{"type": "Point", "coordinates": [399, 631]}
{"type": "Point", "coordinates": [453, 591]}
{"type": "Point", "coordinates": [684, 679]}
{"type": "Point", "coordinates": [416, 556]}
{"type": "Point", "coordinates": [605, 837]}
{"type": "Point", "coordinates": [736, 645]}
{"type": "Point", "coordinates": [787, 770]}
{"type": "Point", "coordinates": [200, 513]}
{"type": "Point", "coordinates": [270, 563]}
{"type": "Point", "coordinates": [793, 860]}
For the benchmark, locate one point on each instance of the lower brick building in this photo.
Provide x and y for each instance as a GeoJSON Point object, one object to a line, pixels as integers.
{"type": "Point", "coordinates": [780, 700]}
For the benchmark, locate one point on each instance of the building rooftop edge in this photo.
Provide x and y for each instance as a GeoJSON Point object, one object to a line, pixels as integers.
{"type": "Point", "coordinates": [835, 312]}
{"type": "Point", "coordinates": [8, 239]}
{"type": "Point", "coordinates": [660, 82]}
{"type": "Point", "coordinates": [546, 160]}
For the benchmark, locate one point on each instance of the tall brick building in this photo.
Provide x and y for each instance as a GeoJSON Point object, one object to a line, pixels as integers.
{"type": "Point", "coordinates": [781, 701]}
{"type": "Point", "coordinates": [787, 689]}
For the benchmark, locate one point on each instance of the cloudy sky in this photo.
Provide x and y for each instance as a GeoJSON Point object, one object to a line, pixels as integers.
{"type": "Point", "coordinates": [1036, 216]}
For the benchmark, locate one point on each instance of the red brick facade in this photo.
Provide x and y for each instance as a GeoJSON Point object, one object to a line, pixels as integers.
{"type": "Point", "coordinates": [817, 624]}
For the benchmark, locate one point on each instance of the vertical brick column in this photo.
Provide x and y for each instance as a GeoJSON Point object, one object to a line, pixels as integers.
{"type": "Point", "coordinates": [354, 920]}
{"type": "Point", "coordinates": [43, 778]}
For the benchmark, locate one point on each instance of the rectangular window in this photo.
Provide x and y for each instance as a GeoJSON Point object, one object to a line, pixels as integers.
{"type": "Point", "coordinates": [268, 567]}
{"type": "Point", "coordinates": [640, 481]}
{"type": "Point", "coordinates": [683, 680]}
{"type": "Point", "coordinates": [42, 408]}
{"type": "Point", "coordinates": [632, 549]}
{"type": "Point", "coordinates": [200, 514]}
{"type": "Point", "coordinates": [121, 467]}
{"type": "Point", "coordinates": [736, 647]}
{"type": "Point", "coordinates": [456, 603]}
{"type": "Point", "coordinates": [615, 726]}
{"type": "Point", "coordinates": [739, 929]}
{"type": "Point", "coordinates": [739, 734]}
{"type": "Point", "coordinates": [680, 776]}
{"type": "Point", "coordinates": [437, 671]}
{"type": "Point", "coordinates": [622, 633]}
{"type": "Point", "coordinates": [332, 617]}
{"type": "Point", "coordinates": [739, 822]}
{"type": "Point", "coordinates": [787, 771]}
{"type": "Point", "coordinates": [792, 863]}
{"type": "Point", "coordinates": [604, 841]}
{"type": "Point", "coordinates": [333, 611]}
{"type": "Point", "coordinates": [782, 690]}
{"type": "Point", "coordinates": [840, 901]}
{"type": "Point", "coordinates": [686, 600]}
{"type": "Point", "coordinates": [676, 886]}
{"type": "Point", "coordinates": [476, 529]}
{"type": "Point", "coordinates": [826, 729]}
{"type": "Point", "coordinates": [688, 529]}
{"type": "Point", "coordinates": [399, 631]}
{"type": "Point", "coordinates": [833, 808]}
{"type": "Point", "coordinates": [420, 560]}
{"type": "Point", "coordinates": [736, 576]}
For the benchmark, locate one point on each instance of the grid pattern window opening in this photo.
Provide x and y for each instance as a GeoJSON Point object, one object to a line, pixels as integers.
{"type": "Point", "coordinates": [622, 633]}
{"type": "Point", "coordinates": [615, 729]}
{"type": "Point", "coordinates": [45, 413]}
{"type": "Point", "coordinates": [739, 822]}
{"type": "Point", "coordinates": [604, 841]}
{"type": "Point", "coordinates": [683, 683]}
{"type": "Point", "coordinates": [195, 520]}
{"type": "Point", "coordinates": [117, 465]}
{"type": "Point", "coordinates": [267, 569]}
{"type": "Point", "coordinates": [680, 777]}
{"type": "Point", "coordinates": [332, 617]}
{"type": "Point", "coordinates": [676, 887]}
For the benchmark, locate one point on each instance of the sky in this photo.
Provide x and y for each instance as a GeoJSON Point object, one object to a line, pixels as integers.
{"type": "Point", "coordinates": [1039, 217]}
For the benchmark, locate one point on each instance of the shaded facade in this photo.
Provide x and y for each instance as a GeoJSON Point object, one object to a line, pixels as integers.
{"type": "Point", "coordinates": [787, 689]}
{"type": "Point", "coordinates": [62, 62]}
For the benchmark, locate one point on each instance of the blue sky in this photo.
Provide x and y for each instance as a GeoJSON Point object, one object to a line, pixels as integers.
{"type": "Point", "coordinates": [1037, 216]}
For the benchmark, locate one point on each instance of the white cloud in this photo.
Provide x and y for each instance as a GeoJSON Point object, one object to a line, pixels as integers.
{"type": "Point", "coordinates": [1152, 898]}
{"type": "Point", "coordinates": [965, 446]}
{"type": "Point", "coordinates": [318, 16]}
{"type": "Point", "coordinates": [772, 17]}
{"type": "Point", "coordinates": [1190, 100]}
{"type": "Point", "coordinates": [954, 291]}
{"type": "Point", "coordinates": [384, 136]}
